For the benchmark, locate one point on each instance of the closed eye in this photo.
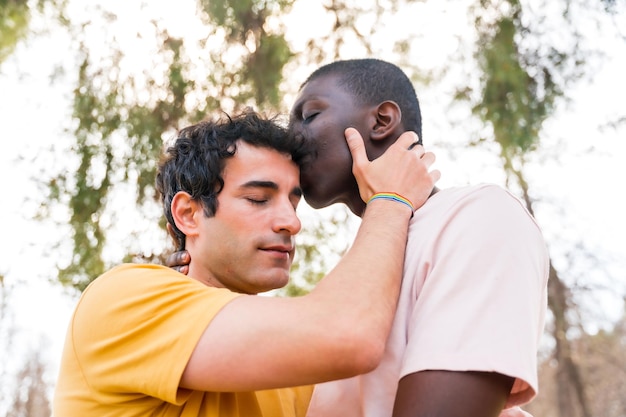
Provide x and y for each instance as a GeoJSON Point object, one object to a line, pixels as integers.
{"type": "Point", "coordinates": [257, 201]}
{"type": "Point", "coordinates": [306, 119]}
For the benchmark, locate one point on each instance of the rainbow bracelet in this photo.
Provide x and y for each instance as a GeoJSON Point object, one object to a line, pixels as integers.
{"type": "Point", "coordinates": [394, 197]}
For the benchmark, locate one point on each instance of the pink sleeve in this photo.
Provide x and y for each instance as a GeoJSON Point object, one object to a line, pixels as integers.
{"type": "Point", "coordinates": [483, 302]}
{"type": "Point", "coordinates": [514, 412]}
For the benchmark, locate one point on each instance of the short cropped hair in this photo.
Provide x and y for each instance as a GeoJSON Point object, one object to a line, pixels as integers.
{"type": "Point", "coordinates": [196, 160]}
{"type": "Point", "coordinates": [373, 81]}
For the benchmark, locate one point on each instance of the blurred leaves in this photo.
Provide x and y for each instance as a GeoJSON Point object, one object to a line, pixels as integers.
{"type": "Point", "coordinates": [14, 19]}
{"type": "Point", "coordinates": [117, 138]}
{"type": "Point", "coordinates": [244, 23]}
{"type": "Point", "coordinates": [123, 118]}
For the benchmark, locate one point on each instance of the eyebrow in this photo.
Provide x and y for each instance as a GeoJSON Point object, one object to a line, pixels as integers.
{"type": "Point", "coordinates": [297, 191]}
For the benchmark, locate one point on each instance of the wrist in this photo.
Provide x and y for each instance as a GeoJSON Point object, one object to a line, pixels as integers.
{"type": "Point", "coordinates": [393, 197]}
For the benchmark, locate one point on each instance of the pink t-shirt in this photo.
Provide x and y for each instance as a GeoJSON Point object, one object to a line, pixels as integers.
{"type": "Point", "coordinates": [473, 298]}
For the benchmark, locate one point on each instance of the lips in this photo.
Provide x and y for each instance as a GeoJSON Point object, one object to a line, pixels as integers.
{"type": "Point", "coordinates": [279, 248]}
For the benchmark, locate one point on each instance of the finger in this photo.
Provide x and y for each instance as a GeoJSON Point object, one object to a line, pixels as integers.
{"type": "Point", "coordinates": [182, 269]}
{"type": "Point", "coordinates": [428, 159]}
{"type": "Point", "coordinates": [176, 259]}
{"type": "Point", "coordinates": [182, 257]}
{"type": "Point", "coordinates": [435, 174]}
{"type": "Point", "coordinates": [356, 145]}
{"type": "Point", "coordinates": [171, 260]}
{"type": "Point", "coordinates": [418, 149]}
{"type": "Point", "coordinates": [407, 139]}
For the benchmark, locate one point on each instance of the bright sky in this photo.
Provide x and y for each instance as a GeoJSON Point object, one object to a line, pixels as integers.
{"type": "Point", "coordinates": [581, 174]}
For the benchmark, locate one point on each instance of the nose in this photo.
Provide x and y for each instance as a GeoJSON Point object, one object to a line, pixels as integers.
{"type": "Point", "coordinates": [295, 127]}
{"type": "Point", "coordinates": [286, 219]}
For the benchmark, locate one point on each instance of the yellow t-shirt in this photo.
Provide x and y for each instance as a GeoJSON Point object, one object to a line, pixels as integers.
{"type": "Point", "coordinates": [128, 343]}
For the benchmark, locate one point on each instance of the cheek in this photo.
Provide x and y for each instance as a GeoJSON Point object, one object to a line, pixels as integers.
{"type": "Point", "coordinates": [324, 129]}
{"type": "Point", "coordinates": [330, 146]}
{"type": "Point", "coordinates": [229, 237]}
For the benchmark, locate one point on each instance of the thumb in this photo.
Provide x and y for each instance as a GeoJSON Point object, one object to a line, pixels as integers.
{"type": "Point", "coordinates": [357, 147]}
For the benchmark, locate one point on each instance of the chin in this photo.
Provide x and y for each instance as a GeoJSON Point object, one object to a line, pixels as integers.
{"type": "Point", "coordinates": [316, 204]}
{"type": "Point", "coordinates": [314, 200]}
{"type": "Point", "coordinates": [275, 283]}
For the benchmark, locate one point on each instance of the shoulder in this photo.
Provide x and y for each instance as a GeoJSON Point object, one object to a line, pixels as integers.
{"type": "Point", "coordinates": [483, 209]}
{"type": "Point", "coordinates": [128, 277]}
{"type": "Point", "coordinates": [489, 197]}
{"type": "Point", "coordinates": [477, 192]}
{"type": "Point", "coordinates": [135, 286]}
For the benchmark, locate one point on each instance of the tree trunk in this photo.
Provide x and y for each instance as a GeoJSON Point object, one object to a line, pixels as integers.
{"type": "Point", "coordinates": [572, 401]}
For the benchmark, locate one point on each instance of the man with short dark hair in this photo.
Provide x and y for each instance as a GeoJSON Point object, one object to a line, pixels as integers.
{"type": "Point", "coordinates": [471, 311]}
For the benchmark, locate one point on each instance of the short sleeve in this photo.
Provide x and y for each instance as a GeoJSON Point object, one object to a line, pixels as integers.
{"type": "Point", "coordinates": [483, 302]}
{"type": "Point", "coordinates": [144, 315]}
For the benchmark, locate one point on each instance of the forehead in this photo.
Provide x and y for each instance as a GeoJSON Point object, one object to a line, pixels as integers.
{"type": "Point", "coordinates": [321, 82]}
{"type": "Point", "coordinates": [256, 162]}
{"type": "Point", "coordinates": [325, 88]}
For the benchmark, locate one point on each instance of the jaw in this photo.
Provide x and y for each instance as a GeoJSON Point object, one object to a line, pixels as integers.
{"type": "Point", "coordinates": [354, 202]}
{"type": "Point", "coordinates": [357, 207]}
{"type": "Point", "coordinates": [319, 194]}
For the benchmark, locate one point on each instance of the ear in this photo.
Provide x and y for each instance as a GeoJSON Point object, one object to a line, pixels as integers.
{"type": "Point", "coordinates": [184, 210]}
{"type": "Point", "coordinates": [388, 118]}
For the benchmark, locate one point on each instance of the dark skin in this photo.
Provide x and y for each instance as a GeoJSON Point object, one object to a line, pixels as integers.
{"type": "Point", "coordinates": [321, 112]}
{"type": "Point", "coordinates": [321, 109]}
{"type": "Point", "coordinates": [179, 260]}
{"type": "Point", "coordinates": [452, 394]}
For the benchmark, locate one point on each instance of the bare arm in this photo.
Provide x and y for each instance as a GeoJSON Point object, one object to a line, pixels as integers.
{"type": "Point", "coordinates": [452, 394]}
{"type": "Point", "coordinates": [340, 328]}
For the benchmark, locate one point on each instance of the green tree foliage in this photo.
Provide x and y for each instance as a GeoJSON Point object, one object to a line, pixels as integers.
{"type": "Point", "coordinates": [105, 109]}
{"type": "Point", "coordinates": [522, 78]}
{"type": "Point", "coordinates": [122, 120]}
{"type": "Point", "coordinates": [518, 87]}
{"type": "Point", "coordinates": [510, 100]}
{"type": "Point", "coordinates": [244, 23]}
{"type": "Point", "coordinates": [14, 18]}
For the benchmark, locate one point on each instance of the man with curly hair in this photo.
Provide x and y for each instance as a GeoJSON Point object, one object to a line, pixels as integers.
{"type": "Point", "coordinates": [146, 340]}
